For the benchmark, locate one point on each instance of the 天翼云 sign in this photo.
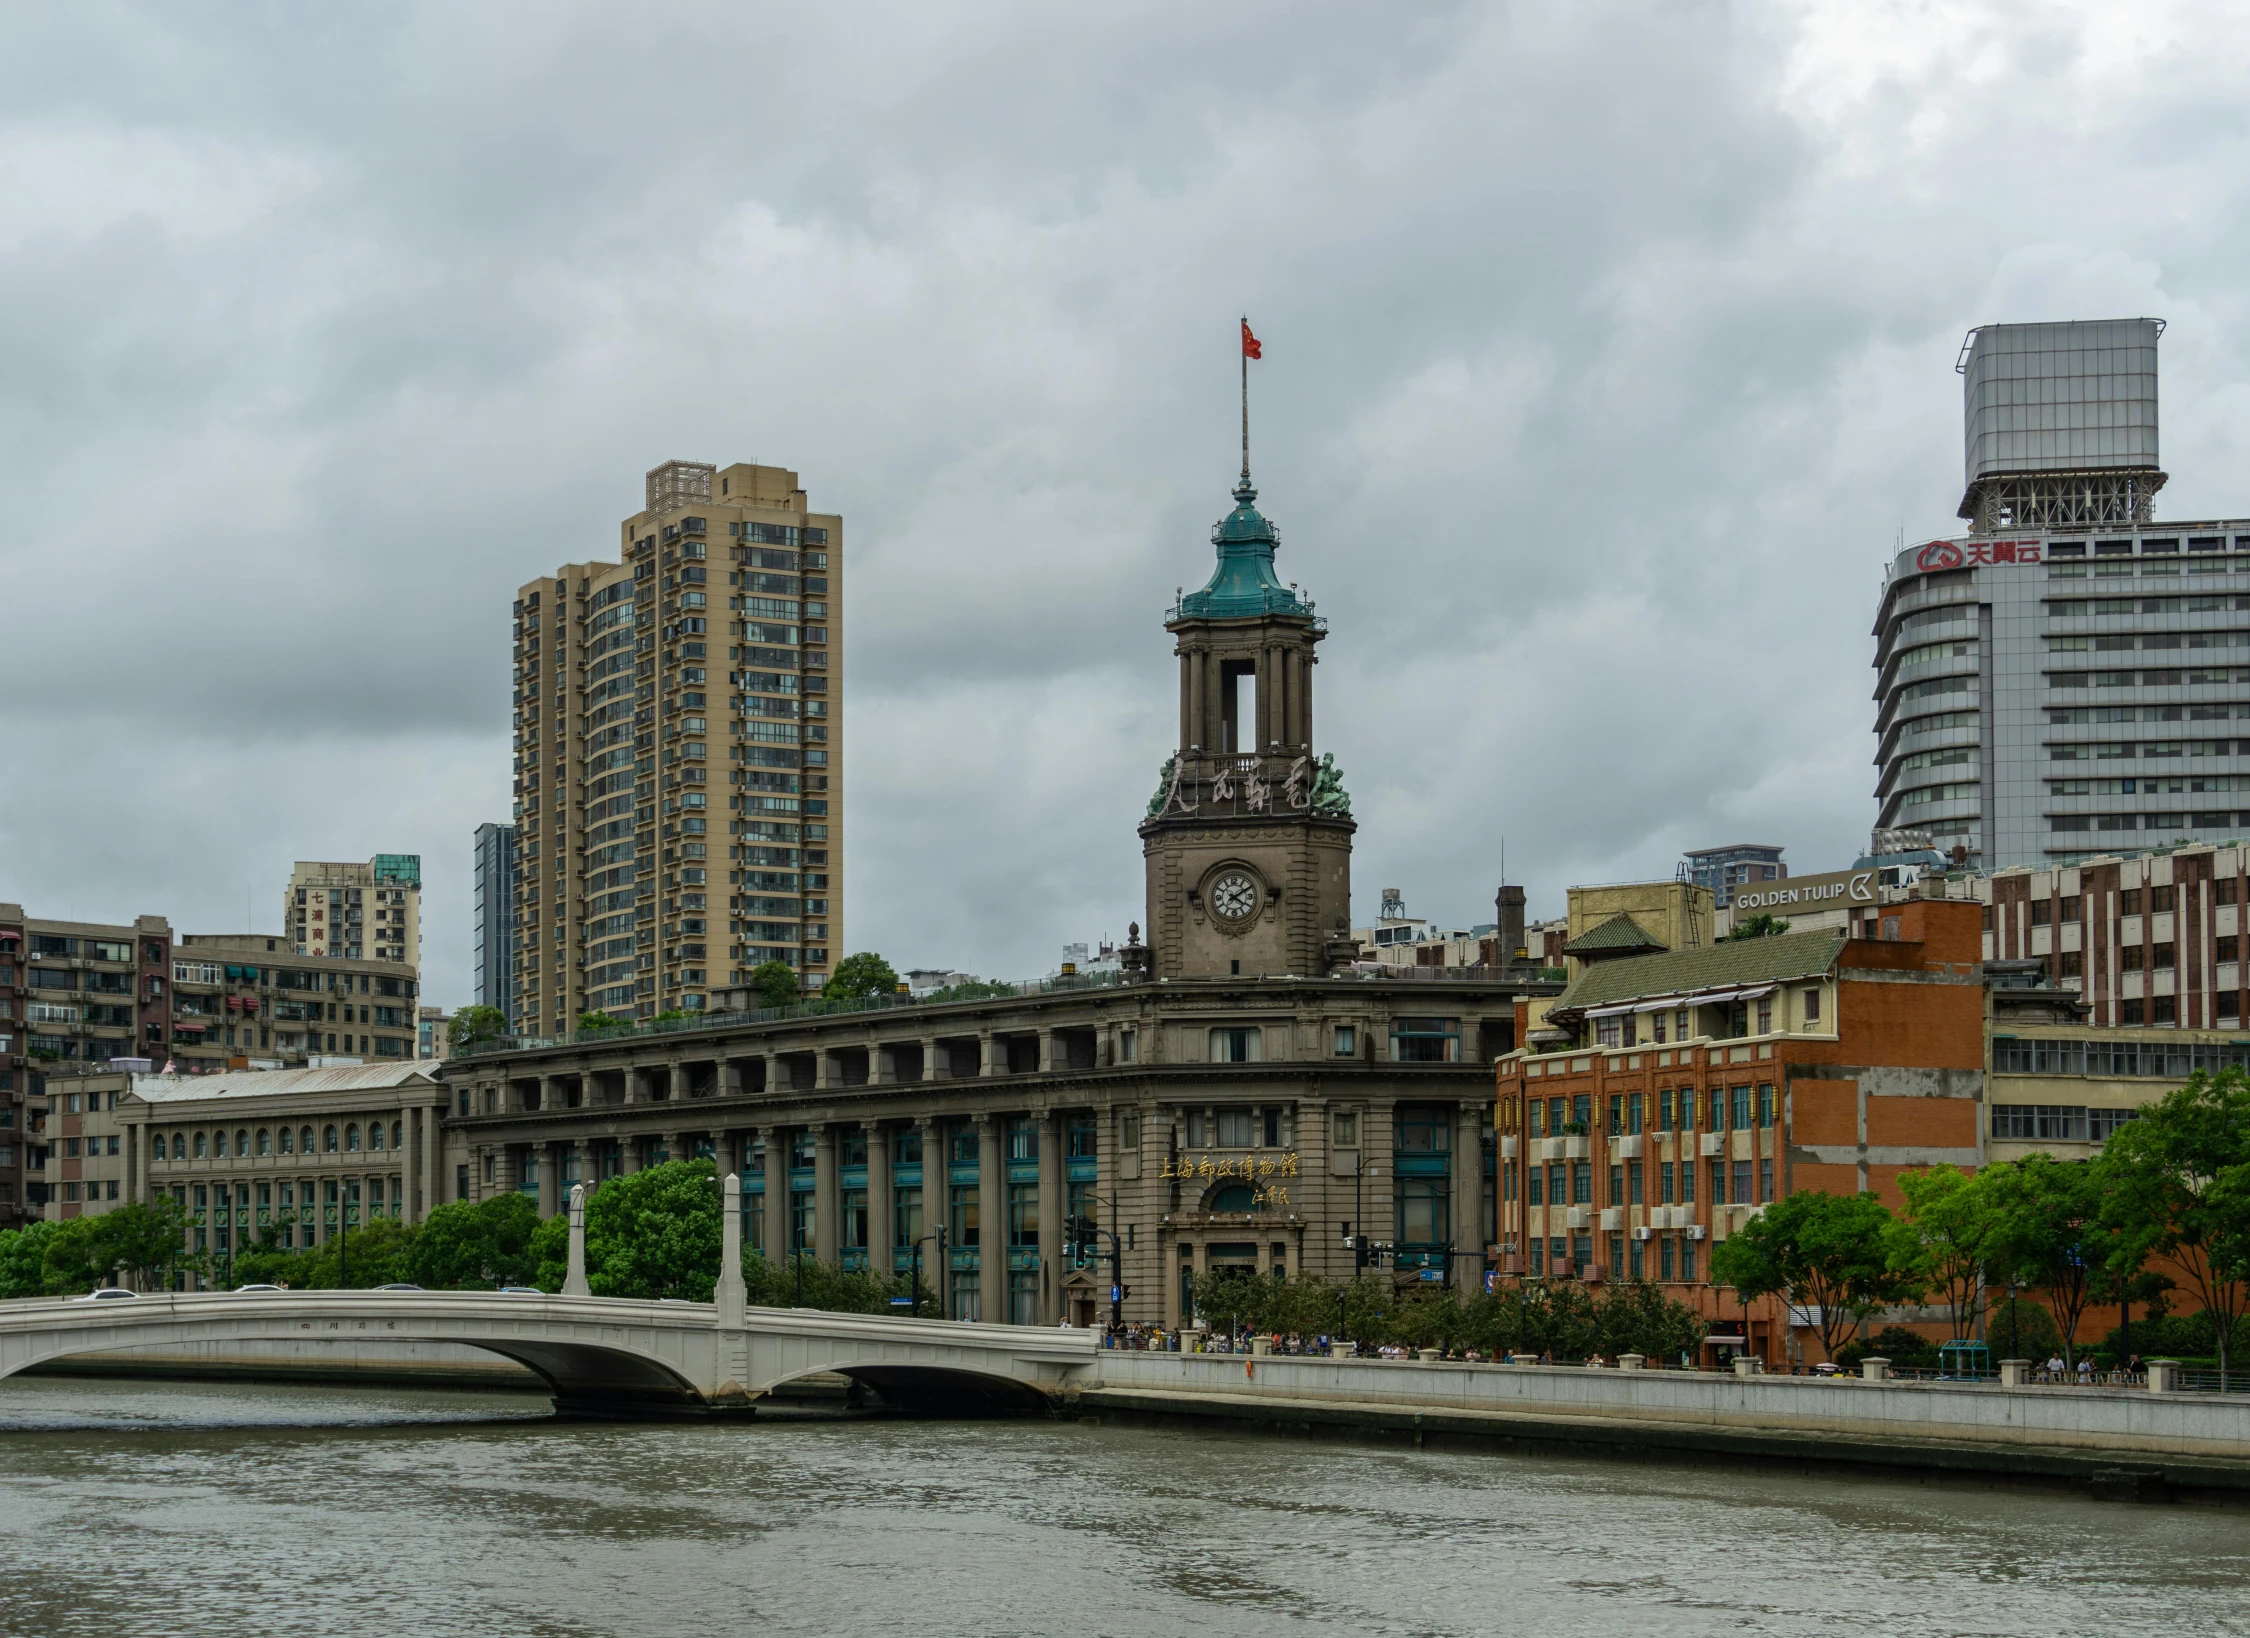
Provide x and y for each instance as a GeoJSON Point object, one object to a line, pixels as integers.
{"type": "Point", "coordinates": [1804, 894]}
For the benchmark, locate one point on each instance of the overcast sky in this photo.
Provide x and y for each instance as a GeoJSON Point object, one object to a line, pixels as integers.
{"type": "Point", "coordinates": [1609, 351]}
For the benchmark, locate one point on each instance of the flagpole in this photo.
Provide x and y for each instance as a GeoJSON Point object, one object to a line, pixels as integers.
{"type": "Point", "coordinates": [1244, 350]}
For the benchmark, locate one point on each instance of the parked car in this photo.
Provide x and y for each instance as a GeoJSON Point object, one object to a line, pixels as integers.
{"type": "Point", "coordinates": [521, 1291]}
{"type": "Point", "coordinates": [398, 1288]}
{"type": "Point", "coordinates": [108, 1293]}
{"type": "Point", "coordinates": [241, 1289]}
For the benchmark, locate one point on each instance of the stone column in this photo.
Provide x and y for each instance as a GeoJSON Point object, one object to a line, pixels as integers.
{"type": "Point", "coordinates": [550, 1092]}
{"type": "Point", "coordinates": [729, 1299]}
{"type": "Point", "coordinates": [992, 1221]}
{"type": "Point", "coordinates": [550, 1178]}
{"type": "Point", "coordinates": [822, 1077]}
{"type": "Point", "coordinates": [777, 1195]}
{"type": "Point", "coordinates": [929, 1057]}
{"type": "Point", "coordinates": [1054, 1190]}
{"type": "Point", "coordinates": [937, 1213]}
{"type": "Point", "coordinates": [880, 1070]}
{"type": "Point", "coordinates": [637, 1088]}
{"type": "Point", "coordinates": [574, 1281]}
{"type": "Point", "coordinates": [1046, 1052]}
{"type": "Point", "coordinates": [882, 1226]}
{"type": "Point", "coordinates": [433, 1185]}
{"type": "Point", "coordinates": [136, 1164]}
{"type": "Point", "coordinates": [828, 1236]}
{"type": "Point", "coordinates": [1468, 1199]}
{"type": "Point", "coordinates": [629, 1154]}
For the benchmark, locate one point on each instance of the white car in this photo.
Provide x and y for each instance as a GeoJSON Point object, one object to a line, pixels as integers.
{"type": "Point", "coordinates": [108, 1293]}
{"type": "Point", "coordinates": [242, 1289]}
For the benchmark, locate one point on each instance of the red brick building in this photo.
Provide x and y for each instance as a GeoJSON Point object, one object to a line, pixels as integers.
{"type": "Point", "coordinates": [1671, 1095]}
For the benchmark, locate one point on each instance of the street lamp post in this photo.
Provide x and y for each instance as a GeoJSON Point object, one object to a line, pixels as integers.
{"type": "Point", "coordinates": [914, 1271]}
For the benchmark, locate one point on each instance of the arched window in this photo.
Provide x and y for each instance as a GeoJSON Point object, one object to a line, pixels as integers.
{"type": "Point", "coordinates": [328, 1139]}
{"type": "Point", "coordinates": [201, 1149]}
{"type": "Point", "coordinates": [398, 1134]}
{"type": "Point", "coordinates": [351, 1138]}
{"type": "Point", "coordinates": [242, 1142]}
{"type": "Point", "coordinates": [179, 1145]}
{"type": "Point", "coordinates": [375, 1134]}
{"type": "Point", "coordinates": [287, 1145]}
{"type": "Point", "coordinates": [218, 1145]}
{"type": "Point", "coordinates": [1234, 1197]}
{"type": "Point", "coordinates": [304, 1140]}
{"type": "Point", "coordinates": [265, 1141]}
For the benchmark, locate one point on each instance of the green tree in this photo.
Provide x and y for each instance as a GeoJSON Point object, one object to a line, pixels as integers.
{"type": "Point", "coordinates": [468, 1246]}
{"type": "Point", "coordinates": [2046, 1233]}
{"type": "Point", "coordinates": [1559, 1319]}
{"type": "Point", "coordinates": [1228, 1299]}
{"type": "Point", "coordinates": [860, 977]}
{"type": "Point", "coordinates": [972, 989]}
{"type": "Point", "coordinates": [547, 1254]}
{"type": "Point", "coordinates": [1635, 1317]}
{"type": "Point", "coordinates": [1828, 1252]}
{"type": "Point", "coordinates": [2019, 1328]}
{"type": "Point", "coordinates": [369, 1255]}
{"type": "Point", "coordinates": [655, 1233]}
{"type": "Point", "coordinates": [138, 1239]}
{"type": "Point", "coordinates": [1908, 1350]}
{"type": "Point", "coordinates": [268, 1262]}
{"type": "Point", "coordinates": [1760, 925]}
{"type": "Point", "coordinates": [473, 1024]}
{"type": "Point", "coordinates": [23, 1260]}
{"type": "Point", "coordinates": [75, 1258]}
{"type": "Point", "coordinates": [776, 983]}
{"type": "Point", "coordinates": [601, 1023]}
{"type": "Point", "coordinates": [2178, 1188]}
{"type": "Point", "coordinates": [1941, 1238]}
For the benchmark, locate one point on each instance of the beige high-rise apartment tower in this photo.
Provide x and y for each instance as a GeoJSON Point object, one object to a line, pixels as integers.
{"type": "Point", "coordinates": [679, 753]}
{"type": "Point", "coordinates": [370, 911]}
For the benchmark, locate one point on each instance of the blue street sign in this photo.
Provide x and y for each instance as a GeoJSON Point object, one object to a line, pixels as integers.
{"type": "Point", "coordinates": [1116, 1293]}
{"type": "Point", "coordinates": [902, 1302]}
{"type": "Point", "coordinates": [1432, 1276]}
{"type": "Point", "coordinates": [1491, 1281]}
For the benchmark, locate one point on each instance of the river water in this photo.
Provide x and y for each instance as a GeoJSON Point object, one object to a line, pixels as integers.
{"type": "Point", "coordinates": [167, 1509]}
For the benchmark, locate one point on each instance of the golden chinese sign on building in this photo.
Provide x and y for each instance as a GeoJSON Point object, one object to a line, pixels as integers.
{"type": "Point", "coordinates": [1189, 1169]}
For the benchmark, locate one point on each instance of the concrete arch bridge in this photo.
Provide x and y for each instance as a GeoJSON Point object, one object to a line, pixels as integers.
{"type": "Point", "coordinates": [606, 1356]}
{"type": "Point", "coordinates": [601, 1355]}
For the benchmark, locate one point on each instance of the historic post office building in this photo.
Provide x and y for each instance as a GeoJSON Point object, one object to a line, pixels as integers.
{"type": "Point", "coordinates": [1243, 1097]}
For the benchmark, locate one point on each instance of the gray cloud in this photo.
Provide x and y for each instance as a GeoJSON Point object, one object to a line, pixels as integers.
{"type": "Point", "coordinates": [1609, 351]}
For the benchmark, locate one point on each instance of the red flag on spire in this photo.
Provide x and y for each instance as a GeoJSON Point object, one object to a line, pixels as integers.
{"type": "Point", "coordinates": [1251, 346]}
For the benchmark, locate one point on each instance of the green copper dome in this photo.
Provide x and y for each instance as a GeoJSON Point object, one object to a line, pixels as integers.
{"type": "Point", "coordinates": [1244, 584]}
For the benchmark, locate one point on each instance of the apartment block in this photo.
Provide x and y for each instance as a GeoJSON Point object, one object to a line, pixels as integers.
{"type": "Point", "coordinates": [245, 1000]}
{"type": "Point", "coordinates": [371, 910]}
{"type": "Point", "coordinates": [1669, 1094]}
{"type": "Point", "coordinates": [679, 751]}
{"type": "Point", "coordinates": [495, 920]}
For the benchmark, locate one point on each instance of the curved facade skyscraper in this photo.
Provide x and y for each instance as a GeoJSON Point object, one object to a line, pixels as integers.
{"type": "Point", "coordinates": [2071, 677]}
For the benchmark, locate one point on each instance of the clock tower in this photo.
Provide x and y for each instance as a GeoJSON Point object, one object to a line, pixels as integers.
{"type": "Point", "coordinates": [1248, 839]}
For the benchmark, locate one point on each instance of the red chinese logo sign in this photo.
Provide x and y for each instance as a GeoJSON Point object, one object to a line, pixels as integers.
{"type": "Point", "coordinates": [1951, 554]}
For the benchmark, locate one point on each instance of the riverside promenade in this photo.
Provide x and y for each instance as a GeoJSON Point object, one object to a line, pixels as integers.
{"type": "Point", "coordinates": [2117, 1442]}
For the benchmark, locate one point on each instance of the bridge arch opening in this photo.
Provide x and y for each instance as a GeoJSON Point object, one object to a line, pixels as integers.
{"type": "Point", "coordinates": [935, 1390]}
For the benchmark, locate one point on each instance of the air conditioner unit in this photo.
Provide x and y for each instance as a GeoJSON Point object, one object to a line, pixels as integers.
{"type": "Point", "coordinates": [1644, 1234]}
{"type": "Point", "coordinates": [1507, 1148]}
{"type": "Point", "coordinates": [1551, 1148]}
{"type": "Point", "coordinates": [1696, 1231]}
{"type": "Point", "coordinates": [1580, 1217]}
{"type": "Point", "coordinates": [1613, 1218]}
{"type": "Point", "coordinates": [1714, 1143]}
{"type": "Point", "coordinates": [1625, 1148]}
{"type": "Point", "coordinates": [1578, 1147]}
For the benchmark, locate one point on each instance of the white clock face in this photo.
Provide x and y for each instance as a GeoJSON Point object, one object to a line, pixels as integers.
{"type": "Point", "coordinates": [1234, 896]}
